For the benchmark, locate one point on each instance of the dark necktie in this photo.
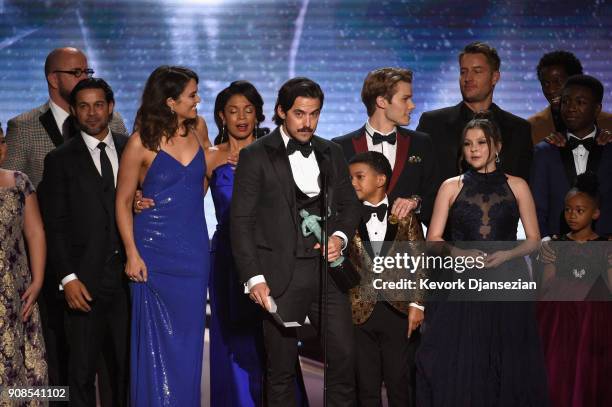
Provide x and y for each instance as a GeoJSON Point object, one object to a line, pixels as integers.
{"type": "Point", "coordinates": [68, 128]}
{"type": "Point", "coordinates": [108, 178]}
{"type": "Point", "coordinates": [378, 138]}
{"type": "Point", "coordinates": [380, 212]}
{"type": "Point", "coordinates": [574, 142]}
{"type": "Point", "coordinates": [293, 146]}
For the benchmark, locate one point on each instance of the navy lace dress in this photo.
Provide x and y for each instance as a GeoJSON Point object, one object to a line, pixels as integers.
{"type": "Point", "coordinates": [482, 353]}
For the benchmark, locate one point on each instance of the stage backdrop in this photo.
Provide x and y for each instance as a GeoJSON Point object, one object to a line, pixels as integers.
{"type": "Point", "coordinates": [334, 42]}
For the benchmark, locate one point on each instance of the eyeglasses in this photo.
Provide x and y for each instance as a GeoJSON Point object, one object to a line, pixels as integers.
{"type": "Point", "coordinates": [77, 72]}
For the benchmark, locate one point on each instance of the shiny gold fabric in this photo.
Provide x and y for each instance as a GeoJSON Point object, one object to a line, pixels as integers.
{"type": "Point", "coordinates": [364, 296]}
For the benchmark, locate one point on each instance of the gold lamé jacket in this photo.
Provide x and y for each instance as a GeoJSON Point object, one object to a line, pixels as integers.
{"type": "Point", "coordinates": [364, 296]}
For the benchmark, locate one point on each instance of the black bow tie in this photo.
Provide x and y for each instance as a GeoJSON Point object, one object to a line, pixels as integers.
{"type": "Point", "coordinates": [293, 146]}
{"type": "Point", "coordinates": [380, 212]}
{"type": "Point", "coordinates": [378, 138]}
{"type": "Point", "coordinates": [574, 142]}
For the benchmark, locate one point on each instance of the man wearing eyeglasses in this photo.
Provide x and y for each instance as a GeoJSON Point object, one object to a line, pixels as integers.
{"type": "Point", "coordinates": [31, 135]}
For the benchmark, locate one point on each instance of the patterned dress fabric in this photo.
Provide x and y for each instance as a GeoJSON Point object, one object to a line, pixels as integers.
{"type": "Point", "coordinates": [22, 348]}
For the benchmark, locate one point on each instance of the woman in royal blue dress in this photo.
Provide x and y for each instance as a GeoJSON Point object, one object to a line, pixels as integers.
{"type": "Point", "coordinates": [166, 245]}
{"type": "Point", "coordinates": [237, 360]}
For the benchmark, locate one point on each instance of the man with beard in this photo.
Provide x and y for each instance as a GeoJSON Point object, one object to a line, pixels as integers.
{"type": "Point", "coordinates": [85, 254]}
{"type": "Point", "coordinates": [278, 176]}
{"type": "Point", "coordinates": [29, 137]}
{"type": "Point", "coordinates": [555, 168]}
{"type": "Point", "coordinates": [553, 70]}
{"type": "Point", "coordinates": [479, 66]}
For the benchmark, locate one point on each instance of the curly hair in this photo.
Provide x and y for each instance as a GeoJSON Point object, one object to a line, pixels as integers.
{"type": "Point", "coordinates": [154, 119]}
{"type": "Point", "coordinates": [567, 60]}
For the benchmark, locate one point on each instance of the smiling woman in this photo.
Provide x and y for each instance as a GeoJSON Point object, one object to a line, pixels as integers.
{"type": "Point", "coordinates": [166, 245]}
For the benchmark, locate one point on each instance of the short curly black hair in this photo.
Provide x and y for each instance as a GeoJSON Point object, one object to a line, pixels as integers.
{"type": "Point", "coordinates": [566, 59]}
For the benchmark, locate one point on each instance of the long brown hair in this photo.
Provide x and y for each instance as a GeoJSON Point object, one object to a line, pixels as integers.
{"type": "Point", "coordinates": [154, 119]}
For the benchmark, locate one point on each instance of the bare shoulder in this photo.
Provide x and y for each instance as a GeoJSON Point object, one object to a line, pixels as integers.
{"type": "Point", "coordinates": [450, 189]}
{"type": "Point", "coordinates": [201, 132]}
{"type": "Point", "coordinates": [7, 177]}
{"type": "Point", "coordinates": [517, 184]}
{"type": "Point", "coordinates": [452, 184]}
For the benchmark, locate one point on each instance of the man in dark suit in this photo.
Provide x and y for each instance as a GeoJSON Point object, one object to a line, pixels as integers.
{"type": "Point", "coordinates": [84, 249]}
{"type": "Point", "coordinates": [277, 176]}
{"type": "Point", "coordinates": [387, 96]}
{"type": "Point", "coordinates": [479, 73]}
{"type": "Point", "coordinates": [555, 169]}
{"type": "Point", "coordinates": [30, 136]}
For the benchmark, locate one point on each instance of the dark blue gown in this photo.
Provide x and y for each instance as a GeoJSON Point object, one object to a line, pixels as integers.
{"type": "Point", "coordinates": [168, 310]}
{"type": "Point", "coordinates": [482, 354]}
{"type": "Point", "coordinates": [236, 339]}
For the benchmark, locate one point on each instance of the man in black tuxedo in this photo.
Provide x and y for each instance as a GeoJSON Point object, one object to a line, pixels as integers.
{"type": "Point", "coordinates": [479, 73]}
{"type": "Point", "coordinates": [84, 248]}
{"type": "Point", "coordinates": [277, 176]}
{"type": "Point", "coordinates": [387, 96]}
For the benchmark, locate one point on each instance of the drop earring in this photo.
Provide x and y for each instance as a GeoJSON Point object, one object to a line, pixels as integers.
{"type": "Point", "coordinates": [224, 133]}
{"type": "Point", "coordinates": [497, 160]}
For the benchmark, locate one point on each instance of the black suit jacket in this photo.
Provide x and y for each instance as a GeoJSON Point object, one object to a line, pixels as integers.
{"type": "Point", "coordinates": [77, 217]}
{"type": "Point", "coordinates": [264, 222]}
{"type": "Point", "coordinates": [445, 127]}
{"type": "Point", "coordinates": [414, 172]}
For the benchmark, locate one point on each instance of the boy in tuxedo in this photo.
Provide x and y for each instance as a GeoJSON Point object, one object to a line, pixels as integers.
{"type": "Point", "coordinates": [385, 329]}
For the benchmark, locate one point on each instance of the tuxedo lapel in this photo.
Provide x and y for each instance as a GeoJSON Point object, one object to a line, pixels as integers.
{"type": "Point", "coordinates": [401, 155]}
{"type": "Point", "coordinates": [365, 238]}
{"type": "Point", "coordinates": [119, 144]}
{"type": "Point", "coordinates": [277, 153]}
{"type": "Point", "coordinates": [48, 122]}
{"type": "Point", "coordinates": [594, 156]}
{"type": "Point", "coordinates": [360, 143]}
{"type": "Point", "coordinates": [389, 236]}
{"type": "Point", "coordinates": [567, 159]}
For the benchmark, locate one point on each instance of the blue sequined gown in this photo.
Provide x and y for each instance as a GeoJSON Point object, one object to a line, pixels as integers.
{"type": "Point", "coordinates": [236, 347]}
{"type": "Point", "coordinates": [482, 354]}
{"type": "Point", "coordinates": [168, 310]}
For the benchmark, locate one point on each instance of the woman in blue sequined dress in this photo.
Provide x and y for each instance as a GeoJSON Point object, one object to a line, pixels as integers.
{"type": "Point", "coordinates": [481, 354]}
{"type": "Point", "coordinates": [167, 245]}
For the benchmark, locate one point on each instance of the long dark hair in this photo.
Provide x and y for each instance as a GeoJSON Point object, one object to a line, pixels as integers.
{"type": "Point", "coordinates": [154, 119]}
{"type": "Point", "coordinates": [485, 122]}
{"type": "Point", "coordinates": [245, 89]}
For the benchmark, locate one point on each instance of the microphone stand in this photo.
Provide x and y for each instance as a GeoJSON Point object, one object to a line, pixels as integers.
{"type": "Point", "coordinates": [325, 276]}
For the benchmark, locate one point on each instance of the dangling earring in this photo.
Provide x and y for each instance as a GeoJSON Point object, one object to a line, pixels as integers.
{"type": "Point", "coordinates": [256, 135]}
{"type": "Point", "coordinates": [224, 133]}
{"type": "Point", "coordinates": [497, 160]}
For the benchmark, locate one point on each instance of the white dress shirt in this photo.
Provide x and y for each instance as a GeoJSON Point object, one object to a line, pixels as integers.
{"type": "Point", "coordinates": [581, 154]}
{"type": "Point", "coordinates": [305, 171]}
{"type": "Point", "coordinates": [92, 145]}
{"type": "Point", "coordinates": [60, 116]}
{"type": "Point", "coordinates": [387, 149]}
{"type": "Point", "coordinates": [377, 229]}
